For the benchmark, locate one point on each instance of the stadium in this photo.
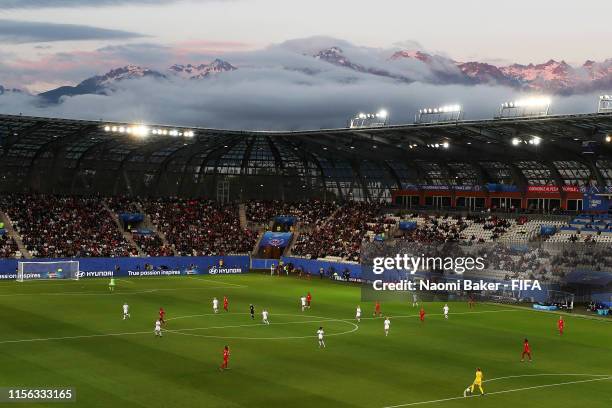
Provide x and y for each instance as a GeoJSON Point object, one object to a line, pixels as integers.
{"type": "Point", "coordinates": [291, 223]}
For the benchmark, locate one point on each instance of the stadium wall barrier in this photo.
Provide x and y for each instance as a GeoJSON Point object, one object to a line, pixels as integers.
{"type": "Point", "coordinates": [135, 267]}
{"type": "Point", "coordinates": [259, 263]}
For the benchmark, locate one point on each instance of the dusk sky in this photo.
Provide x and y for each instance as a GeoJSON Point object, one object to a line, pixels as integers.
{"type": "Point", "coordinates": [45, 44]}
{"type": "Point", "coordinates": [518, 31]}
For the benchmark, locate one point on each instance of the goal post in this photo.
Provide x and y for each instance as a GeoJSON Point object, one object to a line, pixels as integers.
{"type": "Point", "coordinates": [31, 270]}
{"type": "Point", "coordinates": [564, 300]}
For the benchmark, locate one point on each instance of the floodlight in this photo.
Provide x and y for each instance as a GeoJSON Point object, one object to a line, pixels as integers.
{"type": "Point", "coordinates": [534, 106]}
{"type": "Point", "coordinates": [605, 104]}
{"type": "Point", "coordinates": [369, 120]}
{"type": "Point", "coordinates": [107, 128]}
{"type": "Point", "coordinates": [516, 141]}
{"type": "Point", "coordinates": [446, 113]}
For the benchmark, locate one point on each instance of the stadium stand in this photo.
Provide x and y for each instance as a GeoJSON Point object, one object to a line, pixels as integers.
{"type": "Point", "coordinates": [200, 227]}
{"type": "Point", "coordinates": [8, 247]}
{"type": "Point", "coordinates": [307, 212]}
{"type": "Point", "coordinates": [344, 187]}
{"type": "Point", "coordinates": [341, 236]}
{"type": "Point", "coordinates": [61, 227]}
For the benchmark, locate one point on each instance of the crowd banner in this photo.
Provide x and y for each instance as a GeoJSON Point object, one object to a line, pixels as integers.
{"type": "Point", "coordinates": [131, 218]}
{"type": "Point", "coordinates": [593, 201]}
{"type": "Point", "coordinates": [407, 225]}
{"type": "Point", "coordinates": [137, 267]}
{"type": "Point", "coordinates": [276, 239]}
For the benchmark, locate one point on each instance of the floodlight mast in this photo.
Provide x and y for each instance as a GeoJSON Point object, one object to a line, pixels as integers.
{"type": "Point", "coordinates": [605, 104]}
{"type": "Point", "coordinates": [369, 120]}
{"type": "Point", "coordinates": [525, 108]}
{"type": "Point", "coordinates": [442, 114]}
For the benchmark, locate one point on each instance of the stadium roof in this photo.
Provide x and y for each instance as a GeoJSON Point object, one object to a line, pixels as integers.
{"type": "Point", "coordinates": [77, 156]}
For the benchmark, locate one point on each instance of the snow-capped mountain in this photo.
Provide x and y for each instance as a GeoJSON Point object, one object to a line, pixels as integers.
{"type": "Point", "coordinates": [335, 55]}
{"type": "Point", "coordinates": [201, 71]}
{"type": "Point", "coordinates": [419, 55]}
{"type": "Point", "coordinates": [552, 76]}
{"type": "Point", "coordinates": [102, 84]}
{"type": "Point", "coordinates": [405, 66]}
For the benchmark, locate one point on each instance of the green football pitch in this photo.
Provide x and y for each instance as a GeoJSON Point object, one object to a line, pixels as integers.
{"type": "Point", "coordinates": [71, 334]}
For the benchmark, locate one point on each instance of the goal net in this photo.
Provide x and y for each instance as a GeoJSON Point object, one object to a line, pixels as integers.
{"type": "Point", "coordinates": [563, 300]}
{"type": "Point", "coordinates": [47, 270]}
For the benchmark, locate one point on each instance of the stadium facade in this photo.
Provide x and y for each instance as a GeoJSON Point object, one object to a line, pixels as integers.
{"type": "Point", "coordinates": [410, 164]}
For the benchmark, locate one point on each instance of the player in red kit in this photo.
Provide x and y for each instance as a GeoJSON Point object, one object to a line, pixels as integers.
{"type": "Point", "coordinates": [226, 355]}
{"type": "Point", "coordinates": [471, 301]}
{"type": "Point", "coordinates": [526, 350]}
{"type": "Point", "coordinates": [162, 313]}
{"type": "Point", "coordinates": [225, 304]}
{"type": "Point", "coordinates": [308, 299]}
{"type": "Point", "coordinates": [377, 311]}
{"type": "Point", "coordinates": [422, 314]}
{"type": "Point", "coordinates": [561, 325]}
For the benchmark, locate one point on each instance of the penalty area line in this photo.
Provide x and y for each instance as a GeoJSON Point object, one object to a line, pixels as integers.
{"type": "Point", "coordinates": [535, 387]}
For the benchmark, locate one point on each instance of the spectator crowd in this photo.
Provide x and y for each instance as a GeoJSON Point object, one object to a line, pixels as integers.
{"type": "Point", "coordinates": [65, 227]}
{"type": "Point", "coordinates": [200, 227]}
{"type": "Point", "coordinates": [306, 212]}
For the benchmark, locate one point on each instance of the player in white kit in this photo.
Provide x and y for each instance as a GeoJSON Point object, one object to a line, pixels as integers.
{"type": "Point", "coordinates": [303, 301]}
{"type": "Point", "coordinates": [264, 316]}
{"type": "Point", "coordinates": [445, 308]}
{"type": "Point", "coordinates": [387, 326]}
{"type": "Point", "coordinates": [415, 300]}
{"type": "Point", "coordinates": [215, 305]}
{"type": "Point", "coordinates": [158, 331]}
{"type": "Point", "coordinates": [126, 311]}
{"type": "Point", "coordinates": [320, 334]}
{"type": "Point", "coordinates": [358, 314]}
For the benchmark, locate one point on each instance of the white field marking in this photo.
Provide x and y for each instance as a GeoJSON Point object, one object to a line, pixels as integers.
{"type": "Point", "coordinates": [41, 282]}
{"type": "Point", "coordinates": [86, 336]}
{"type": "Point", "coordinates": [601, 378]}
{"type": "Point", "coordinates": [318, 319]}
{"type": "Point", "coordinates": [559, 312]}
{"type": "Point", "coordinates": [125, 280]}
{"type": "Point", "coordinates": [204, 314]}
{"type": "Point", "coordinates": [347, 320]}
{"type": "Point", "coordinates": [105, 292]}
{"type": "Point", "coordinates": [179, 331]}
{"type": "Point", "coordinates": [441, 314]}
{"type": "Point", "coordinates": [210, 280]}
{"type": "Point", "coordinates": [546, 375]}
{"type": "Point", "coordinates": [350, 321]}
{"type": "Point", "coordinates": [321, 319]}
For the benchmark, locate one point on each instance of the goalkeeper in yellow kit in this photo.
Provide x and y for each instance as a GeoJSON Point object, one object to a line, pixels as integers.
{"type": "Point", "coordinates": [477, 382]}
